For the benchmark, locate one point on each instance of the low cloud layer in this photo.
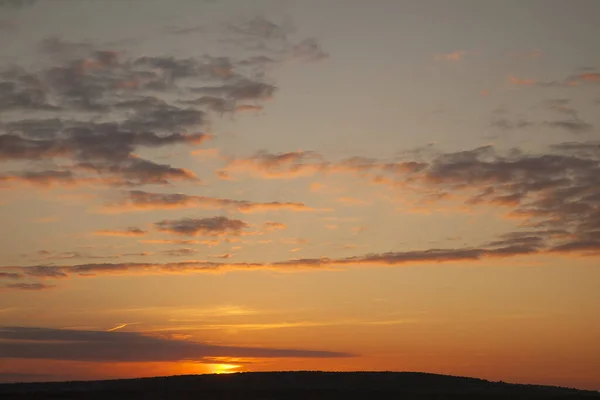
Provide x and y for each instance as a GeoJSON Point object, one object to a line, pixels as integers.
{"type": "Point", "coordinates": [119, 346]}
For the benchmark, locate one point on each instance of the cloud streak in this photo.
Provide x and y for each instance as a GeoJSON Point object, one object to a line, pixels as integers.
{"type": "Point", "coordinates": [138, 200]}
{"type": "Point", "coordinates": [215, 226]}
{"type": "Point", "coordinates": [119, 346]}
{"type": "Point", "coordinates": [135, 232]}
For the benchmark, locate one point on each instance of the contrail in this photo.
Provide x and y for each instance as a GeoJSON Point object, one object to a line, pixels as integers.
{"type": "Point", "coordinates": [117, 327]}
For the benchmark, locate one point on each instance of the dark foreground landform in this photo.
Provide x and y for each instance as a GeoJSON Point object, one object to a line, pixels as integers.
{"type": "Point", "coordinates": [292, 385]}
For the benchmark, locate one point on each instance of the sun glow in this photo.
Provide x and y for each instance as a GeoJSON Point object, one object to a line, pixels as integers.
{"type": "Point", "coordinates": [224, 368]}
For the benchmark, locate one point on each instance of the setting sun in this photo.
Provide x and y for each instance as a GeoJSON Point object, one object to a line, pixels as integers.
{"type": "Point", "coordinates": [224, 368]}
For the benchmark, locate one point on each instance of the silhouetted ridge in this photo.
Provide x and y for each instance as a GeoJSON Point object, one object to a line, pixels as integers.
{"type": "Point", "coordinates": [292, 385]}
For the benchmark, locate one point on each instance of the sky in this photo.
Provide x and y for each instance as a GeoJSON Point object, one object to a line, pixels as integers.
{"type": "Point", "coordinates": [219, 186]}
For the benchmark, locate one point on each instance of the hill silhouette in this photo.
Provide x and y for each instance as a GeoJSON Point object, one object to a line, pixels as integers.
{"type": "Point", "coordinates": [292, 385]}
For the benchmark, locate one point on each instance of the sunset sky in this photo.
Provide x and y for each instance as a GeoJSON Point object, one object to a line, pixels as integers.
{"type": "Point", "coordinates": [231, 185]}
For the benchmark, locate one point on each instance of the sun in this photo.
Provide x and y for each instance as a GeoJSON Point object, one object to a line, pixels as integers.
{"type": "Point", "coordinates": [224, 368]}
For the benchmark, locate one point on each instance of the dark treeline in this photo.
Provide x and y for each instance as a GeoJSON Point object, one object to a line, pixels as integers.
{"type": "Point", "coordinates": [292, 385]}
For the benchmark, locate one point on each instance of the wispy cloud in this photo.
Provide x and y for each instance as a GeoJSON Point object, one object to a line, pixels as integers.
{"type": "Point", "coordinates": [126, 232]}
{"type": "Point", "coordinates": [138, 200]}
{"type": "Point", "coordinates": [453, 57]}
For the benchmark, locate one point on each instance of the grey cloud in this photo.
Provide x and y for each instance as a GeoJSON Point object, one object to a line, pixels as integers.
{"type": "Point", "coordinates": [507, 124]}
{"type": "Point", "coordinates": [560, 106]}
{"type": "Point", "coordinates": [43, 271]}
{"type": "Point", "coordinates": [129, 92]}
{"type": "Point", "coordinates": [10, 275]}
{"type": "Point", "coordinates": [306, 163]}
{"type": "Point", "coordinates": [180, 252]}
{"type": "Point", "coordinates": [17, 95]}
{"type": "Point", "coordinates": [261, 34]}
{"type": "Point", "coordinates": [185, 31]}
{"type": "Point", "coordinates": [548, 191]}
{"type": "Point", "coordinates": [132, 231]}
{"type": "Point", "coordinates": [214, 226]}
{"type": "Point", "coordinates": [43, 178]}
{"type": "Point", "coordinates": [379, 259]}
{"type": "Point", "coordinates": [587, 150]}
{"type": "Point", "coordinates": [578, 246]}
{"type": "Point", "coordinates": [257, 31]}
{"type": "Point", "coordinates": [98, 346]}
{"type": "Point", "coordinates": [241, 90]}
{"type": "Point", "coordinates": [309, 50]}
{"type": "Point", "coordinates": [557, 193]}
{"type": "Point", "coordinates": [137, 171]}
{"type": "Point", "coordinates": [28, 286]}
{"type": "Point", "coordinates": [516, 244]}
{"type": "Point", "coordinates": [216, 104]}
{"type": "Point", "coordinates": [165, 118]}
{"type": "Point", "coordinates": [138, 200]}
{"type": "Point", "coordinates": [572, 126]}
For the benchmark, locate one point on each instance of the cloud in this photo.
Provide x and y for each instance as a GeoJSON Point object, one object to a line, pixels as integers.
{"type": "Point", "coordinates": [549, 191]}
{"type": "Point", "coordinates": [137, 171]}
{"type": "Point", "coordinates": [273, 226]}
{"type": "Point", "coordinates": [222, 256]}
{"type": "Point", "coordinates": [574, 80]}
{"type": "Point", "coordinates": [309, 50]}
{"type": "Point", "coordinates": [215, 226]}
{"type": "Point", "coordinates": [47, 255]}
{"type": "Point", "coordinates": [522, 82]}
{"type": "Point", "coordinates": [276, 166]}
{"type": "Point", "coordinates": [119, 346]}
{"type": "Point", "coordinates": [127, 232]}
{"type": "Point", "coordinates": [150, 101]}
{"type": "Point", "coordinates": [589, 77]}
{"type": "Point", "coordinates": [260, 33]}
{"type": "Point", "coordinates": [507, 124]}
{"type": "Point", "coordinates": [572, 126]}
{"type": "Point", "coordinates": [464, 254]}
{"type": "Point", "coordinates": [259, 28]}
{"type": "Point", "coordinates": [307, 163]}
{"type": "Point", "coordinates": [209, 242]}
{"type": "Point", "coordinates": [180, 252]}
{"type": "Point", "coordinates": [556, 189]}
{"type": "Point", "coordinates": [561, 106]}
{"type": "Point", "coordinates": [137, 200]}
{"type": "Point", "coordinates": [10, 275]}
{"type": "Point", "coordinates": [454, 56]}
{"type": "Point", "coordinates": [27, 286]}
{"type": "Point", "coordinates": [549, 237]}
{"type": "Point", "coordinates": [52, 138]}
{"type": "Point", "coordinates": [41, 178]}
{"type": "Point", "coordinates": [185, 31]}
{"type": "Point", "coordinates": [241, 90]}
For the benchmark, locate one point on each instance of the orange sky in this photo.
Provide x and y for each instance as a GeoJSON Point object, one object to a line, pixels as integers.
{"type": "Point", "coordinates": [209, 187]}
